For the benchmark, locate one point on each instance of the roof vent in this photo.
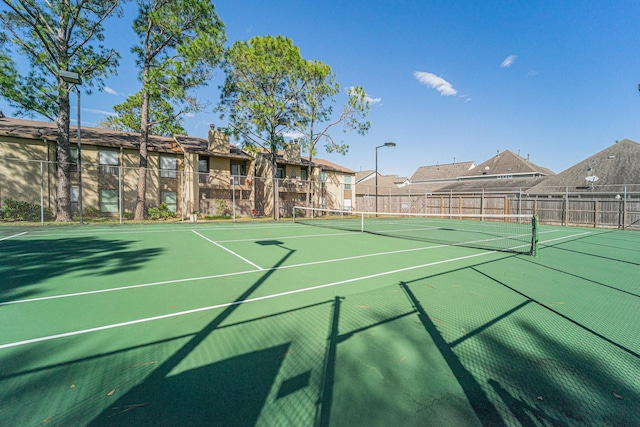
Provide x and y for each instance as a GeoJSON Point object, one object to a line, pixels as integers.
{"type": "Point", "coordinates": [612, 157]}
{"type": "Point", "coordinates": [1, 115]}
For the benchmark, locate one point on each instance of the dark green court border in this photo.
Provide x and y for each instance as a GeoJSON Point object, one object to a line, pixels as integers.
{"type": "Point", "coordinates": [496, 339]}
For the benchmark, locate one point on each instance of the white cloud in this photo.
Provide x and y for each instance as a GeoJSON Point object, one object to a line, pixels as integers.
{"type": "Point", "coordinates": [438, 83]}
{"type": "Point", "coordinates": [371, 100]}
{"type": "Point", "coordinates": [293, 135]}
{"type": "Point", "coordinates": [110, 91]}
{"type": "Point", "coordinates": [93, 110]}
{"type": "Point", "coordinates": [532, 73]}
{"type": "Point", "coordinates": [508, 61]}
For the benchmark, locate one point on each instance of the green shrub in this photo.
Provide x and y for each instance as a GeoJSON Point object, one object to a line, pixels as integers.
{"type": "Point", "coordinates": [91, 212]}
{"type": "Point", "coordinates": [221, 207]}
{"type": "Point", "coordinates": [14, 210]}
{"type": "Point", "coordinates": [161, 212]}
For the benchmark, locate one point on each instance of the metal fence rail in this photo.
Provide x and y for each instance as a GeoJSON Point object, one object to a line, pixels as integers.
{"type": "Point", "coordinates": [604, 207]}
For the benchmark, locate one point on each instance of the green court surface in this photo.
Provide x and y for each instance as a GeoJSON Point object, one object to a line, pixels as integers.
{"type": "Point", "coordinates": [283, 324]}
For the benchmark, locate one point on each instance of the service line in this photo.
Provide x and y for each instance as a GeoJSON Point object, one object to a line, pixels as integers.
{"type": "Point", "coordinates": [237, 273]}
{"type": "Point", "coordinates": [229, 304]}
{"type": "Point", "coordinates": [229, 250]}
{"type": "Point", "coordinates": [15, 235]}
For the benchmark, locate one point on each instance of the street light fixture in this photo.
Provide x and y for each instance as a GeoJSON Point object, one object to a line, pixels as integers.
{"type": "Point", "coordinates": [74, 79]}
{"type": "Point", "coordinates": [386, 144]}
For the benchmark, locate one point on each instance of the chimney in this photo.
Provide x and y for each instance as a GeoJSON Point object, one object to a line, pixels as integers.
{"type": "Point", "coordinates": [292, 152]}
{"type": "Point", "coordinates": [218, 141]}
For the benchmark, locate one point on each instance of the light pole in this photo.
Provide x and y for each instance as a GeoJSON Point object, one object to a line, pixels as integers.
{"type": "Point", "coordinates": [74, 79]}
{"type": "Point", "coordinates": [386, 144]}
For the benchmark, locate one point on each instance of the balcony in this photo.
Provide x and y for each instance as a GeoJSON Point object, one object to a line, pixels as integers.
{"type": "Point", "coordinates": [108, 170]}
{"type": "Point", "coordinates": [293, 185]}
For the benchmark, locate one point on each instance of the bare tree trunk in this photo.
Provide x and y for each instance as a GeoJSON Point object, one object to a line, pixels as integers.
{"type": "Point", "coordinates": [63, 156]}
{"type": "Point", "coordinates": [309, 184]}
{"type": "Point", "coordinates": [144, 159]}
{"type": "Point", "coordinates": [274, 175]}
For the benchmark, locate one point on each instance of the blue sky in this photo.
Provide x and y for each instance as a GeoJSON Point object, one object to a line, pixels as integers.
{"type": "Point", "coordinates": [554, 80]}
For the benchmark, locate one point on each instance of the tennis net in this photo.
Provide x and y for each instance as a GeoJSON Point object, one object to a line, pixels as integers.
{"type": "Point", "coordinates": [507, 233]}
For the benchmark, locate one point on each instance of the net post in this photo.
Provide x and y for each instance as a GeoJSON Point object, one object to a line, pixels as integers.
{"type": "Point", "coordinates": [534, 236]}
{"type": "Point", "coordinates": [362, 222]}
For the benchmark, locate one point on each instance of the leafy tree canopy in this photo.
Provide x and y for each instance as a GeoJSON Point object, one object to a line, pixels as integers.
{"type": "Point", "coordinates": [162, 119]}
{"type": "Point", "coordinates": [264, 83]}
{"type": "Point", "coordinates": [55, 36]}
{"type": "Point", "coordinates": [180, 44]}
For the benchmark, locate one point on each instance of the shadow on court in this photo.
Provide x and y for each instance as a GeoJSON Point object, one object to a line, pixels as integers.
{"type": "Point", "coordinates": [461, 347]}
{"type": "Point", "coordinates": [25, 262]}
{"type": "Point", "coordinates": [229, 392]}
{"type": "Point", "coordinates": [525, 363]}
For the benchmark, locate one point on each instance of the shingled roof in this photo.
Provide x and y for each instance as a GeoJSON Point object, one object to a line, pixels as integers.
{"type": "Point", "coordinates": [507, 163]}
{"type": "Point", "coordinates": [48, 131]}
{"type": "Point", "coordinates": [196, 145]}
{"type": "Point", "coordinates": [330, 166]}
{"type": "Point", "coordinates": [618, 164]}
{"type": "Point", "coordinates": [446, 171]}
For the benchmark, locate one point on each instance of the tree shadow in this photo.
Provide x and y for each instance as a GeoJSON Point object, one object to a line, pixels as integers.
{"type": "Point", "coordinates": [230, 392]}
{"type": "Point", "coordinates": [26, 262]}
{"type": "Point", "coordinates": [532, 365]}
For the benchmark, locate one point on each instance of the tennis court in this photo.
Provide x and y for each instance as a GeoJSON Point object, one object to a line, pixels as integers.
{"type": "Point", "coordinates": [274, 324]}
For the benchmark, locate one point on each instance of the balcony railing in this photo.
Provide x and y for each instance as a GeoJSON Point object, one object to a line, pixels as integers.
{"type": "Point", "coordinates": [108, 170]}
{"type": "Point", "coordinates": [293, 185]}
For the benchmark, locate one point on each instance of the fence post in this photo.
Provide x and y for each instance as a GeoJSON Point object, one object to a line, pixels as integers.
{"type": "Point", "coordinates": [565, 214]}
{"type": "Point", "coordinates": [519, 200]}
{"type": "Point", "coordinates": [233, 198]}
{"type": "Point", "coordinates": [624, 209]}
{"type": "Point", "coordinates": [41, 193]}
{"type": "Point", "coordinates": [120, 201]}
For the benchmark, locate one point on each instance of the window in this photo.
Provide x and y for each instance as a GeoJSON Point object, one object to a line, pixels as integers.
{"type": "Point", "coordinates": [109, 201]}
{"type": "Point", "coordinates": [203, 170]}
{"type": "Point", "coordinates": [170, 199]}
{"type": "Point", "coordinates": [238, 169]}
{"type": "Point", "coordinates": [168, 166]}
{"type": "Point", "coordinates": [324, 177]}
{"type": "Point", "coordinates": [108, 160]}
{"type": "Point", "coordinates": [280, 173]}
{"type": "Point", "coordinates": [73, 193]}
{"type": "Point", "coordinates": [303, 174]}
{"type": "Point", "coordinates": [73, 162]}
{"type": "Point", "coordinates": [347, 182]}
{"type": "Point", "coordinates": [347, 204]}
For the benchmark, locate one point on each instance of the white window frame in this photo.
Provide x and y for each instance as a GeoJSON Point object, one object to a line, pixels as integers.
{"type": "Point", "coordinates": [109, 207]}
{"type": "Point", "coordinates": [347, 182]}
{"type": "Point", "coordinates": [168, 166]}
{"type": "Point", "coordinates": [108, 161]}
{"type": "Point", "coordinates": [173, 207]}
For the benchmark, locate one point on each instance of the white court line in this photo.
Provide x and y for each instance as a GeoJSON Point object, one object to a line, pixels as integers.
{"type": "Point", "coordinates": [178, 228]}
{"type": "Point", "coordinates": [229, 304]}
{"type": "Point", "coordinates": [217, 276]}
{"type": "Point", "coordinates": [213, 307]}
{"type": "Point", "coordinates": [560, 238]}
{"type": "Point", "coordinates": [15, 235]}
{"type": "Point", "coordinates": [229, 250]}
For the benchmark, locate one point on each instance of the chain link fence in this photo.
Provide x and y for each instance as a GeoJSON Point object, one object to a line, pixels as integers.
{"type": "Point", "coordinates": [612, 206]}
{"type": "Point", "coordinates": [28, 192]}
